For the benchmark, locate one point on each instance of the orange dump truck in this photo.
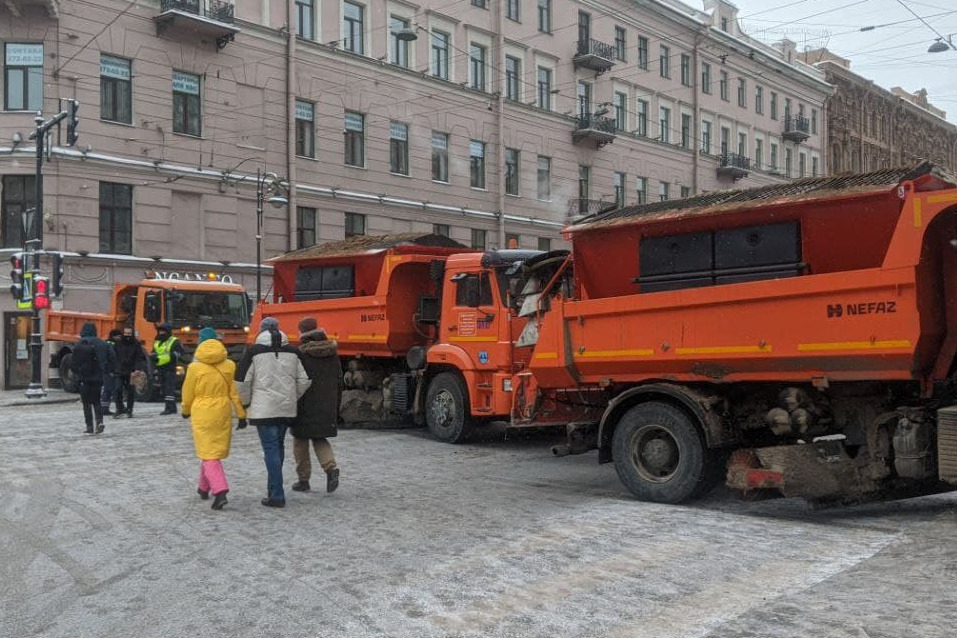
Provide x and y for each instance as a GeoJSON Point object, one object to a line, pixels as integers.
{"type": "Point", "coordinates": [187, 305]}
{"type": "Point", "coordinates": [796, 339]}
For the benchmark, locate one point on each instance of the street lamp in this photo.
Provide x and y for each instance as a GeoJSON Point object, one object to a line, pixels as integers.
{"type": "Point", "coordinates": [266, 184]}
{"type": "Point", "coordinates": [942, 44]}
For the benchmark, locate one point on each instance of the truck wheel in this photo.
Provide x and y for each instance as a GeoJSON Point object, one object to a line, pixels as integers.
{"type": "Point", "coordinates": [447, 409]}
{"type": "Point", "coordinates": [68, 379]}
{"type": "Point", "coordinates": [659, 454]}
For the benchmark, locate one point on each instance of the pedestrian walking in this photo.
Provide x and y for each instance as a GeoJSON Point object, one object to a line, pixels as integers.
{"type": "Point", "coordinates": [90, 356]}
{"type": "Point", "coordinates": [209, 399]}
{"type": "Point", "coordinates": [318, 409]}
{"type": "Point", "coordinates": [109, 379]}
{"type": "Point", "coordinates": [167, 353]}
{"type": "Point", "coordinates": [129, 358]}
{"type": "Point", "coordinates": [271, 379]}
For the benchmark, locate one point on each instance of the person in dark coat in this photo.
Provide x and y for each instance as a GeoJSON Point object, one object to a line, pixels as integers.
{"type": "Point", "coordinates": [318, 409]}
{"type": "Point", "coordinates": [109, 379]}
{"type": "Point", "coordinates": [90, 358]}
{"type": "Point", "coordinates": [129, 357]}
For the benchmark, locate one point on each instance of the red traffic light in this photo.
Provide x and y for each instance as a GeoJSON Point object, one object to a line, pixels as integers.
{"type": "Point", "coordinates": [41, 293]}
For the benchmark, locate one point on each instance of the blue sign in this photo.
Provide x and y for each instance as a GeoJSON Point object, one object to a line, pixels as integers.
{"type": "Point", "coordinates": [483, 357]}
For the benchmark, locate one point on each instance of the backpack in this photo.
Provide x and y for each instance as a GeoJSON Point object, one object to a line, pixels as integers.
{"type": "Point", "coordinates": [86, 363]}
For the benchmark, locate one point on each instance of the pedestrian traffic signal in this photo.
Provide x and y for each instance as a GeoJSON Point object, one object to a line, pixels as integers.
{"type": "Point", "coordinates": [41, 293]}
{"type": "Point", "coordinates": [16, 276]}
{"type": "Point", "coordinates": [56, 279]}
{"type": "Point", "coordinates": [72, 123]}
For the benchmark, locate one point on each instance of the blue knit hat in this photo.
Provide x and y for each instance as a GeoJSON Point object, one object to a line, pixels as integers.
{"type": "Point", "coordinates": [207, 333]}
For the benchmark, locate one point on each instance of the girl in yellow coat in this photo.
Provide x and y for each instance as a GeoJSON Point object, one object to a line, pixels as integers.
{"type": "Point", "coordinates": [209, 397]}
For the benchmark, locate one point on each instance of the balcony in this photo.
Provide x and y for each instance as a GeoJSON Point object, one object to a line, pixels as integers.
{"type": "Point", "coordinates": [733, 165]}
{"type": "Point", "coordinates": [796, 129]}
{"type": "Point", "coordinates": [595, 55]}
{"type": "Point", "coordinates": [595, 128]}
{"type": "Point", "coordinates": [580, 207]}
{"type": "Point", "coordinates": [15, 6]}
{"type": "Point", "coordinates": [210, 18]}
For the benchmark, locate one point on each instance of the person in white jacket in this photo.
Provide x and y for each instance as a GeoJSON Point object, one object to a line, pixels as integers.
{"type": "Point", "coordinates": [270, 379]}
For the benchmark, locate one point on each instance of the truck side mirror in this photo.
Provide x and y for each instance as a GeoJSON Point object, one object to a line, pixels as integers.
{"type": "Point", "coordinates": [249, 305]}
{"type": "Point", "coordinates": [152, 309]}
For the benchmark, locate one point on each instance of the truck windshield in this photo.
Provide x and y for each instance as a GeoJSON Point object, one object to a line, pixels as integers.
{"type": "Point", "coordinates": [199, 309]}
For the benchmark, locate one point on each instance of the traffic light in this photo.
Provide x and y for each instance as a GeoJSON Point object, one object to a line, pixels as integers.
{"type": "Point", "coordinates": [41, 293]}
{"type": "Point", "coordinates": [56, 280]}
{"type": "Point", "coordinates": [72, 123]}
{"type": "Point", "coordinates": [16, 276]}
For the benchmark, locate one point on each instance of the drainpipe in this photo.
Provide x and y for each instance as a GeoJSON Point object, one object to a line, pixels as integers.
{"type": "Point", "coordinates": [696, 109]}
{"type": "Point", "coordinates": [499, 88]}
{"type": "Point", "coordinates": [290, 125]}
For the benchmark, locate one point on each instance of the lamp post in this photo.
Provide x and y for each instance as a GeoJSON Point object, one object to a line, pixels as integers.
{"type": "Point", "coordinates": [266, 183]}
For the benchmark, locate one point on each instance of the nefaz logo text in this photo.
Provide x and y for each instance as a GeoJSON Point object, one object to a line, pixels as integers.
{"type": "Point", "coordinates": [838, 310]}
{"type": "Point", "coordinates": [371, 316]}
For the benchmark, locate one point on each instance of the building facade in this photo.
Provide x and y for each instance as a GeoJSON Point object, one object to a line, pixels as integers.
{"type": "Point", "coordinates": [492, 121]}
{"type": "Point", "coordinates": [870, 127]}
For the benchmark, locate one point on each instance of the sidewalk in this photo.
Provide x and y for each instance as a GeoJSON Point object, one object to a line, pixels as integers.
{"type": "Point", "coordinates": [13, 398]}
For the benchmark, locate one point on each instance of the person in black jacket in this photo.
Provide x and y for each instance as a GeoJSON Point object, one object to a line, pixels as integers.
{"type": "Point", "coordinates": [129, 357]}
{"type": "Point", "coordinates": [318, 409]}
{"type": "Point", "coordinates": [90, 358]}
{"type": "Point", "coordinates": [109, 379]}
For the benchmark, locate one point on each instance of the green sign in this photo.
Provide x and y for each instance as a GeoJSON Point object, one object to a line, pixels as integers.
{"type": "Point", "coordinates": [26, 300]}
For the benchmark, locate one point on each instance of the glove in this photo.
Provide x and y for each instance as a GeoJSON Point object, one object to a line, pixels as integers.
{"type": "Point", "coordinates": [185, 416]}
{"type": "Point", "coordinates": [242, 424]}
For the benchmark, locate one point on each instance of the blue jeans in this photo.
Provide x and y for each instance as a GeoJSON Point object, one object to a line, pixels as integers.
{"type": "Point", "coordinates": [272, 434]}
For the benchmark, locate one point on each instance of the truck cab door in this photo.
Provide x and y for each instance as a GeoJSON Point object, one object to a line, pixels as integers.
{"type": "Point", "coordinates": [473, 316]}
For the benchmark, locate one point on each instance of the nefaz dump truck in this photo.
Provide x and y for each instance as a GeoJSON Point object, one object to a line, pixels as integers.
{"type": "Point", "coordinates": [796, 339]}
{"type": "Point", "coordinates": [186, 304]}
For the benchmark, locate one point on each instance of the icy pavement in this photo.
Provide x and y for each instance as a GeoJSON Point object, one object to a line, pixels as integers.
{"type": "Point", "coordinates": [104, 536]}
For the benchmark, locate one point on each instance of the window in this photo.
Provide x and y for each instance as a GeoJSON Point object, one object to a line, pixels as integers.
{"type": "Point", "coordinates": [685, 69]}
{"type": "Point", "coordinates": [685, 130]}
{"type": "Point", "coordinates": [664, 62]}
{"type": "Point", "coordinates": [355, 139]}
{"type": "Point", "coordinates": [440, 156]}
{"type": "Point", "coordinates": [814, 166]}
{"type": "Point", "coordinates": [620, 180]}
{"type": "Point", "coordinates": [584, 187]}
{"type": "Point", "coordinates": [511, 171]}
{"type": "Point", "coordinates": [116, 90]}
{"type": "Point", "coordinates": [621, 110]}
{"type": "Point", "coordinates": [22, 77]}
{"type": "Point", "coordinates": [758, 153]}
{"type": "Point", "coordinates": [643, 53]}
{"type": "Point", "coordinates": [706, 78]}
{"type": "Point", "coordinates": [584, 99]}
{"type": "Point", "coordinates": [355, 224]}
{"type": "Point", "coordinates": [399, 49]}
{"type": "Point", "coordinates": [440, 54]}
{"type": "Point", "coordinates": [664, 125]}
{"type": "Point", "coordinates": [305, 129]}
{"type": "Point", "coordinates": [477, 57]}
{"type": "Point", "coordinates": [544, 244]}
{"type": "Point", "coordinates": [685, 191]}
{"type": "Point", "coordinates": [481, 4]}
{"type": "Point", "coordinates": [399, 148]}
{"type": "Point", "coordinates": [187, 114]}
{"type": "Point", "coordinates": [325, 282]}
{"type": "Point", "coordinates": [306, 19]}
{"type": "Point", "coordinates": [742, 144]}
{"type": "Point", "coordinates": [774, 105]}
{"type": "Point", "coordinates": [440, 229]}
{"type": "Point", "coordinates": [116, 218]}
{"type": "Point", "coordinates": [641, 118]}
{"type": "Point", "coordinates": [774, 157]}
{"type": "Point", "coordinates": [725, 140]}
{"type": "Point", "coordinates": [621, 43]}
{"type": "Point", "coordinates": [723, 85]}
{"type": "Point", "coordinates": [706, 137]}
{"type": "Point", "coordinates": [641, 187]}
{"type": "Point", "coordinates": [802, 165]}
{"type": "Point", "coordinates": [724, 24]}
{"type": "Point", "coordinates": [787, 109]}
{"type": "Point", "coordinates": [477, 164]}
{"type": "Point", "coordinates": [759, 100]}
{"type": "Point", "coordinates": [545, 16]}
{"type": "Point", "coordinates": [814, 123]}
{"type": "Point", "coordinates": [544, 178]}
{"type": "Point", "coordinates": [479, 239]}
{"type": "Point", "coordinates": [742, 93]}
{"type": "Point", "coordinates": [512, 10]}
{"type": "Point", "coordinates": [512, 240]}
{"type": "Point", "coordinates": [305, 226]}
{"type": "Point", "coordinates": [664, 191]}
{"type": "Point", "coordinates": [18, 196]}
{"type": "Point", "coordinates": [787, 162]}
{"type": "Point", "coordinates": [353, 18]}
{"type": "Point", "coordinates": [513, 74]}
{"type": "Point", "coordinates": [544, 88]}
{"type": "Point", "coordinates": [584, 30]}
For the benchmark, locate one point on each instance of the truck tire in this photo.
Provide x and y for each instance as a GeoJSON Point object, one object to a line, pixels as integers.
{"type": "Point", "coordinates": [660, 455]}
{"type": "Point", "coordinates": [68, 379]}
{"type": "Point", "coordinates": [447, 409]}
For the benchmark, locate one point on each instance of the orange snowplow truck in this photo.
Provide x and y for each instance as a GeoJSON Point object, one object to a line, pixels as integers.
{"type": "Point", "coordinates": [796, 339]}
{"type": "Point", "coordinates": [187, 305]}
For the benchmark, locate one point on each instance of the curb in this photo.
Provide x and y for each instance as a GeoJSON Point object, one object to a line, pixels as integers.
{"type": "Point", "coordinates": [21, 402]}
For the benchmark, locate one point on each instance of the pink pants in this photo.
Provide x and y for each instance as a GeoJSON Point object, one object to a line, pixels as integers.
{"type": "Point", "coordinates": [212, 478]}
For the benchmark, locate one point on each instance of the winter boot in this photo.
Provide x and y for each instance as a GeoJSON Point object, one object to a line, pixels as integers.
{"type": "Point", "coordinates": [105, 410]}
{"type": "Point", "coordinates": [220, 501]}
{"type": "Point", "coordinates": [129, 413]}
{"type": "Point", "coordinates": [99, 428]}
{"type": "Point", "coordinates": [202, 494]}
{"type": "Point", "coordinates": [271, 502]}
{"type": "Point", "coordinates": [118, 414]}
{"type": "Point", "coordinates": [300, 486]}
{"type": "Point", "coordinates": [170, 408]}
{"type": "Point", "coordinates": [332, 480]}
{"type": "Point", "coordinates": [89, 429]}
